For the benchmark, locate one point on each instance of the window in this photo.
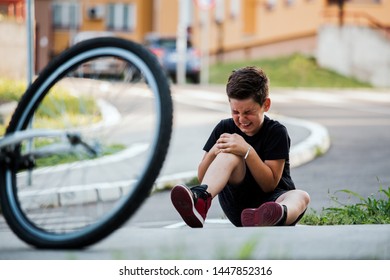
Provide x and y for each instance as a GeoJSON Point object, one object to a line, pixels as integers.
{"type": "Point", "coordinates": [121, 17]}
{"type": "Point", "coordinates": [289, 2]}
{"type": "Point", "coordinates": [270, 4]}
{"type": "Point", "coordinates": [219, 11]}
{"type": "Point", "coordinates": [66, 15]}
{"type": "Point", "coordinates": [235, 8]}
{"type": "Point", "coordinates": [337, 2]}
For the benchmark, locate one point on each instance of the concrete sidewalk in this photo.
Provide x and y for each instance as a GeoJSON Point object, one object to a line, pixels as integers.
{"type": "Point", "coordinates": [222, 241]}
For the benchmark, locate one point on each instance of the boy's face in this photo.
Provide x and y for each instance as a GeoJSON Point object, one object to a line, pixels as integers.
{"type": "Point", "coordinates": [248, 115]}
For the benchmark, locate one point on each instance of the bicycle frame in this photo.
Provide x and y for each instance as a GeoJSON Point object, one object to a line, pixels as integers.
{"type": "Point", "coordinates": [10, 140]}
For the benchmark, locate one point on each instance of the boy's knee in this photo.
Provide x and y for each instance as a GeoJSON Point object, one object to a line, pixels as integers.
{"type": "Point", "coordinates": [235, 165]}
{"type": "Point", "coordinates": [231, 158]}
{"type": "Point", "coordinates": [307, 197]}
{"type": "Point", "coordinates": [301, 197]}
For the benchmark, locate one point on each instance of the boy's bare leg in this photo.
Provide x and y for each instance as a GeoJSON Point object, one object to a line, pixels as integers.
{"type": "Point", "coordinates": [229, 168]}
{"type": "Point", "coordinates": [296, 202]}
{"type": "Point", "coordinates": [226, 168]}
{"type": "Point", "coordinates": [193, 203]}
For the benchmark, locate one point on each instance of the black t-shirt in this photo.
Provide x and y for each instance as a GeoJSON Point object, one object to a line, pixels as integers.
{"type": "Point", "coordinates": [272, 142]}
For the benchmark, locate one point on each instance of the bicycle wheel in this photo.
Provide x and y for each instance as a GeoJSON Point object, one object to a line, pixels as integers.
{"type": "Point", "coordinates": [105, 110]}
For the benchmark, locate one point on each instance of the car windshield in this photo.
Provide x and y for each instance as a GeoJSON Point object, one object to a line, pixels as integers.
{"type": "Point", "coordinates": [169, 43]}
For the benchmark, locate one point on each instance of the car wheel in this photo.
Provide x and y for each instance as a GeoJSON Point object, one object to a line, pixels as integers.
{"type": "Point", "coordinates": [195, 78]}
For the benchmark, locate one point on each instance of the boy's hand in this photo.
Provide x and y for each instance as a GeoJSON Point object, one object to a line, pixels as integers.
{"type": "Point", "coordinates": [232, 143]}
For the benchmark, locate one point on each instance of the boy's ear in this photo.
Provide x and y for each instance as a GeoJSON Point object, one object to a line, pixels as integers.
{"type": "Point", "coordinates": [267, 104]}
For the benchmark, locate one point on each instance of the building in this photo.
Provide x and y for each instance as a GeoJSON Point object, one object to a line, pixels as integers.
{"type": "Point", "coordinates": [227, 29]}
{"type": "Point", "coordinates": [13, 8]}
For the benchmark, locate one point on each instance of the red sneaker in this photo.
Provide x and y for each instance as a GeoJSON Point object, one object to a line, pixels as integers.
{"type": "Point", "coordinates": [268, 214]}
{"type": "Point", "coordinates": [191, 203]}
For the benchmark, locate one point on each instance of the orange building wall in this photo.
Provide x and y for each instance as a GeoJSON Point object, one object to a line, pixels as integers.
{"type": "Point", "coordinates": [255, 25]}
{"type": "Point", "coordinates": [166, 16]}
{"type": "Point", "coordinates": [144, 13]}
{"type": "Point", "coordinates": [360, 13]}
{"type": "Point", "coordinates": [262, 26]}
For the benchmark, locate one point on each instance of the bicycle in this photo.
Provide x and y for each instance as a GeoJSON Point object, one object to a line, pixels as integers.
{"type": "Point", "coordinates": [85, 144]}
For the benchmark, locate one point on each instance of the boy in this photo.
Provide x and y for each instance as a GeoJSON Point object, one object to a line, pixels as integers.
{"type": "Point", "coordinates": [246, 163]}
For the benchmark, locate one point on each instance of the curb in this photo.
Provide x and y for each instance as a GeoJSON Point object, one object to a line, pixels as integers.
{"type": "Point", "coordinates": [315, 145]}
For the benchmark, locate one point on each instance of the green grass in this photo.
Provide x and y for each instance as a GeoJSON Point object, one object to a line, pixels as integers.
{"type": "Point", "coordinates": [374, 209]}
{"type": "Point", "coordinates": [11, 90]}
{"type": "Point", "coordinates": [289, 71]}
{"type": "Point", "coordinates": [73, 157]}
{"type": "Point", "coordinates": [370, 210]}
{"type": "Point", "coordinates": [58, 103]}
{"type": "Point", "coordinates": [60, 108]}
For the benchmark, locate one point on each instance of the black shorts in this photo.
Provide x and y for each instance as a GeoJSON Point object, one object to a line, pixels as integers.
{"type": "Point", "coordinates": [234, 199]}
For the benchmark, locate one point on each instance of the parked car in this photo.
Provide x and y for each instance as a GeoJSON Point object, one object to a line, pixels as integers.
{"type": "Point", "coordinates": [105, 66]}
{"type": "Point", "coordinates": [164, 47]}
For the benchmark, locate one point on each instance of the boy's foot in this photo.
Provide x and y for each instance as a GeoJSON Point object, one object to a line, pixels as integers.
{"type": "Point", "coordinates": [192, 204]}
{"type": "Point", "coordinates": [268, 214]}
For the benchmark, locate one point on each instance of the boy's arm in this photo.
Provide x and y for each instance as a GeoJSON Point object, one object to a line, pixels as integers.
{"type": "Point", "coordinates": [266, 173]}
{"type": "Point", "coordinates": [207, 159]}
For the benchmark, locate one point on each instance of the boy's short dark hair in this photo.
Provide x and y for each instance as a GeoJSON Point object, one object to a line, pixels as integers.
{"type": "Point", "coordinates": [248, 82]}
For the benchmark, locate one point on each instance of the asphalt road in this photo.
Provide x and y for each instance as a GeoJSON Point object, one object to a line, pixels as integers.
{"type": "Point", "coordinates": [358, 123]}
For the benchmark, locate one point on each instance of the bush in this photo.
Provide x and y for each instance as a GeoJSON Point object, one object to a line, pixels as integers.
{"type": "Point", "coordinates": [58, 105]}
{"type": "Point", "coordinates": [11, 90]}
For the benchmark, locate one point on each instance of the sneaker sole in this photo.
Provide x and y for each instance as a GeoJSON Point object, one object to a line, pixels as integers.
{"type": "Point", "coordinates": [268, 214]}
{"type": "Point", "coordinates": [183, 201]}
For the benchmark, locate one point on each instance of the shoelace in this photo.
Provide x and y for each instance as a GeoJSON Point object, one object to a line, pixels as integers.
{"type": "Point", "coordinates": [200, 191]}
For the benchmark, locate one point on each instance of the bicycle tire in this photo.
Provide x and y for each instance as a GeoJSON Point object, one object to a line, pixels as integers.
{"type": "Point", "coordinates": [74, 69]}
